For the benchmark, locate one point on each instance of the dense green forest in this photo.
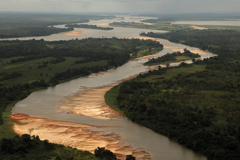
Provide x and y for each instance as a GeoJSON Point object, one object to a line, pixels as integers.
{"type": "Point", "coordinates": [173, 57]}
{"type": "Point", "coordinates": [29, 147]}
{"type": "Point", "coordinates": [26, 25]}
{"type": "Point", "coordinates": [33, 64]}
{"type": "Point", "coordinates": [197, 104]}
{"type": "Point", "coordinates": [87, 26]}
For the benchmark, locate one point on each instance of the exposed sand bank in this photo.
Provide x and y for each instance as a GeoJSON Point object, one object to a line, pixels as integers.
{"type": "Point", "coordinates": [72, 33]}
{"type": "Point", "coordinates": [91, 103]}
{"type": "Point", "coordinates": [200, 52]}
{"type": "Point", "coordinates": [103, 24]}
{"type": "Point", "coordinates": [76, 135]}
{"type": "Point", "coordinates": [99, 73]}
{"type": "Point", "coordinates": [197, 27]}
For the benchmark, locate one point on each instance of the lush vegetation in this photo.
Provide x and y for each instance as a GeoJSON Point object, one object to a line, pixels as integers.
{"type": "Point", "coordinates": [26, 25]}
{"type": "Point", "coordinates": [173, 57]}
{"type": "Point", "coordinates": [30, 65]}
{"type": "Point", "coordinates": [87, 26]}
{"type": "Point", "coordinates": [159, 26]}
{"type": "Point", "coordinates": [28, 148]}
{"type": "Point", "coordinates": [196, 104]}
{"type": "Point", "coordinates": [105, 154]}
{"type": "Point", "coordinates": [221, 42]}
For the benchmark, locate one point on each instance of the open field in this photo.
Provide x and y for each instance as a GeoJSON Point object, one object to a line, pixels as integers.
{"type": "Point", "coordinates": [173, 72]}
{"type": "Point", "coordinates": [33, 73]}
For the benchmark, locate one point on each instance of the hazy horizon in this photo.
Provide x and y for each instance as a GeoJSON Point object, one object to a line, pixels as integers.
{"type": "Point", "coordinates": [121, 6]}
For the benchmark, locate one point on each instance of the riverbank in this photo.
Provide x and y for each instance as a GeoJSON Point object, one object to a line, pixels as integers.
{"type": "Point", "coordinates": [135, 128]}
{"type": "Point", "coordinates": [76, 135]}
{"type": "Point", "coordinates": [194, 109]}
{"type": "Point", "coordinates": [6, 128]}
{"type": "Point", "coordinates": [90, 103]}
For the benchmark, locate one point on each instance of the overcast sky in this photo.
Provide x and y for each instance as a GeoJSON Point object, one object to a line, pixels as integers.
{"type": "Point", "coordinates": [129, 6]}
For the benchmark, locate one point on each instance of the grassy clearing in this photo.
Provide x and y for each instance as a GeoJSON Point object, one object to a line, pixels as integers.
{"type": "Point", "coordinates": [6, 129]}
{"type": "Point", "coordinates": [172, 72]}
{"type": "Point", "coordinates": [31, 72]}
{"type": "Point", "coordinates": [110, 98]}
{"type": "Point", "coordinates": [183, 70]}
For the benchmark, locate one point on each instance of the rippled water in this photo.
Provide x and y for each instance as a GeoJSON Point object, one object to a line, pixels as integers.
{"type": "Point", "coordinates": [43, 103]}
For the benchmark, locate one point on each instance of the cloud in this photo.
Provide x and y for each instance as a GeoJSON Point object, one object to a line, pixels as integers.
{"type": "Point", "coordinates": [132, 6]}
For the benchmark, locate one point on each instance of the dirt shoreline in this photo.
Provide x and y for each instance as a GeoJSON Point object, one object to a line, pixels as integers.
{"type": "Point", "coordinates": [89, 102]}
{"type": "Point", "coordinates": [200, 52]}
{"type": "Point", "coordinates": [76, 135]}
{"type": "Point", "coordinates": [199, 28]}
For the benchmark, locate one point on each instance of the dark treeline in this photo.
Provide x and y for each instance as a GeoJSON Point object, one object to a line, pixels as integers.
{"type": "Point", "coordinates": [90, 48]}
{"type": "Point", "coordinates": [29, 147]}
{"type": "Point", "coordinates": [6, 76]}
{"type": "Point", "coordinates": [199, 110]}
{"type": "Point", "coordinates": [27, 25]}
{"type": "Point", "coordinates": [76, 72]}
{"type": "Point", "coordinates": [87, 26]}
{"type": "Point", "coordinates": [33, 31]}
{"type": "Point", "coordinates": [172, 57]}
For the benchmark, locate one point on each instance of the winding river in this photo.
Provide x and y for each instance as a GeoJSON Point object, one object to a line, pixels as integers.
{"type": "Point", "coordinates": [78, 105]}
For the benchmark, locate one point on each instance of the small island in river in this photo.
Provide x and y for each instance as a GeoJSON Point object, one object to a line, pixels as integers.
{"type": "Point", "coordinates": [87, 26]}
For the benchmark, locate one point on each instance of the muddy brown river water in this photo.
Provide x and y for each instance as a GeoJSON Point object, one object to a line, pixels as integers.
{"type": "Point", "coordinates": [74, 113]}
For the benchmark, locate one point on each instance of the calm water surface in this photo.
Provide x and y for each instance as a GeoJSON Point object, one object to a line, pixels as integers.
{"type": "Point", "coordinates": [43, 103]}
{"type": "Point", "coordinates": [221, 23]}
